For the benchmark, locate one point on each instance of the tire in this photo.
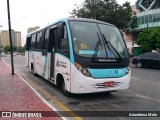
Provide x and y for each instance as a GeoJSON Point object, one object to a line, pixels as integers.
{"type": "Point", "coordinates": [64, 91]}
{"type": "Point", "coordinates": [34, 72]}
{"type": "Point", "coordinates": [139, 64]}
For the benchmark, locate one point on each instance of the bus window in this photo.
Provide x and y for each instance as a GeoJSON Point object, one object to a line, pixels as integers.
{"type": "Point", "coordinates": [28, 43]}
{"type": "Point", "coordinates": [52, 38]}
{"type": "Point", "coordinates": [46, 40]}
{"type": "Point", "coordinates": [33, 41]}
{"type": "Point", "coordinates": [39, 44]}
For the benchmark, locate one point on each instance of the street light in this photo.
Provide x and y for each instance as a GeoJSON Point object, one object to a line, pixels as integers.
{"type": "Point", "coordinates": [10, 37]}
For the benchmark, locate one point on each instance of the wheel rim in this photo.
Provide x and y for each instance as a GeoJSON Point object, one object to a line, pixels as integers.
{"type": "Point", "coordinates": [139, 64]}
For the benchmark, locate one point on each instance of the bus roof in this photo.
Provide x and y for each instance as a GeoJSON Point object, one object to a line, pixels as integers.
{"type": "Point", "coordinates": [88, 20]}
{"type": "Point", "coordinates": [71, 19]}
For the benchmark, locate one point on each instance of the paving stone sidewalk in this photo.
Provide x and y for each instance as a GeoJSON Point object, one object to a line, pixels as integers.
{"type": "Point", "coordinates": [16, 95]}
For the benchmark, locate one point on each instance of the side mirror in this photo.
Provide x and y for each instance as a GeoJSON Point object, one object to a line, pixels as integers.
{"type": "Point", "coordinates": [64, 44]}
{"type": "Point", "coordinates": [60, 32]}
{"type": "Point", "coordinates": [131, 55]}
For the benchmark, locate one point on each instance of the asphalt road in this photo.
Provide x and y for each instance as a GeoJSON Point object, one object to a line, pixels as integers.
{"type": "Point", "coordinates": [143, 94]}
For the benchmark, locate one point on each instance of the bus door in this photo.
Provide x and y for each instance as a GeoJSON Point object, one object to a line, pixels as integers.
{"type": "Point", "coordinates": [52, 39]}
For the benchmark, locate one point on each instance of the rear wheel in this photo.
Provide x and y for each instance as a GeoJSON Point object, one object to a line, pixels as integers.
{"type": "Point", "coordinates": [139, 64]}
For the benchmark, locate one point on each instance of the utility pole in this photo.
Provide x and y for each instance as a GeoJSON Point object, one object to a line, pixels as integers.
{"type": "Point", "coordinates": [10, 37]}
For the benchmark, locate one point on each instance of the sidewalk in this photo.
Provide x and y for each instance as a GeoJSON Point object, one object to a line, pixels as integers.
{"type": "Point", "coordinates": [15, 95]}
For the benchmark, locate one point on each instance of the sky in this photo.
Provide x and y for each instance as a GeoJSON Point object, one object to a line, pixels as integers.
{"type": "Point", "coordinates": [31, 13]}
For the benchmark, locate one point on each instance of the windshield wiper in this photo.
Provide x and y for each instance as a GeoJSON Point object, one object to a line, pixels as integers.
{"type": "Point", "coordinates": [97, 46]}
{"type": "Point", "coordinates": [109, 44]}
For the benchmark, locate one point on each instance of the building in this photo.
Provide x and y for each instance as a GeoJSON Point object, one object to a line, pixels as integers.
{"type": "Point", "coordinates": [131, 36]}
{"type": "Point", "coordinates": [17, 37]}
{"type": "Point", "coordinates": [4, 38]}
{"type": "Point", "coordinates": [149, 15]}
{"type": "Point", "coordinates": [31, 29]}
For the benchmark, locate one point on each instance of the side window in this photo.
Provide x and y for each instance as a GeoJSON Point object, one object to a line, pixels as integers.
{"type": "Point", "coordinates": [142, 55]}
{"type": "Point", "coordinates": [155, 56]}
{"type": "Point", "coordinates": [33, 41]}
{"type": "Point", "coordinates": [63, 43]}
{"type": "Point", "coordinates": [46, 40]}
{"type": "Point", "coordinates": [148, 55]}
{"type": "Point", "coordinates": [39, 44]}
{"type": "Point", "coordinates": [52, 38]}
{"type": "Point", "coordinates": [28, 42]}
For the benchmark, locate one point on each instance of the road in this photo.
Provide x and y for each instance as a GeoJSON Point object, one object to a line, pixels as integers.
{"type": "Point", "coordinates": [143, 94]}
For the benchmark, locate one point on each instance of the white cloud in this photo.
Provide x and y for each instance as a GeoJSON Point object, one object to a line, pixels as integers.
{"type": "Point", "coordinates": [29, 13]}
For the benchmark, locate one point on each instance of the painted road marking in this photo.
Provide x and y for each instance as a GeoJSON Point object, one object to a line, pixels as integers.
{"type": "Point", "coordinates": [57, 102]}
{"type": "Point", "coordinates": [135, 78]}
{"type": "Point", "coordinates": [146, 97]}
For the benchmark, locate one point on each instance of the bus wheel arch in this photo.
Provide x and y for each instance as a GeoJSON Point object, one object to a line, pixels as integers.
{"type": "Point", "coordinates": [60, 82]}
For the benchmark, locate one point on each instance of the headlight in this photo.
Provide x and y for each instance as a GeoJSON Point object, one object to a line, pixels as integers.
{"type": "Point", "coordinates": [127, 70]}
{"type": "Point", "coordinates": [83, 70]}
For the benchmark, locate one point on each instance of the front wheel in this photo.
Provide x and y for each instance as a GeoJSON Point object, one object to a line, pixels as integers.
{"type": "Point", "coordinates": [64, 91]}
{"type": "Point", "coordinates": [139, 64]}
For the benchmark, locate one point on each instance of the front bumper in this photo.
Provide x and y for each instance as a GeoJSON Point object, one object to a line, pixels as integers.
{"type": "Point", "coordinates": [82, 84]}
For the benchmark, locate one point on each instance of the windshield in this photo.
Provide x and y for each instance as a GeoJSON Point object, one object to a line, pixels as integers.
{"type": "Point", "coordinates": [89, 39]}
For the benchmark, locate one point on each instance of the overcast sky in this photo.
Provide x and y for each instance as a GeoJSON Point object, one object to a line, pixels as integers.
{"type": "Point", "coordinates": [30, 13]}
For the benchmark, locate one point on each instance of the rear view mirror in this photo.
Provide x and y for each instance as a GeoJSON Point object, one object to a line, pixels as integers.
{"type": "Point", "coordinates": [64, 45]}
{"type": "Point", "coordinates": [61, 32]}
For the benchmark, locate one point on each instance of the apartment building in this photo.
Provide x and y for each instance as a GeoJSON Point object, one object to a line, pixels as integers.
{"type": "Point", "coordinates": [4, 37]}
{"type": "Point", "coordinates": [31, 29]}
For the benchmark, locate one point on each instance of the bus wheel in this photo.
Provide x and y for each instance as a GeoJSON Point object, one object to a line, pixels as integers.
{"type": "Point", "coordinates": [64, 91]}
{"type": "Point", "coordinates": [34, 72]}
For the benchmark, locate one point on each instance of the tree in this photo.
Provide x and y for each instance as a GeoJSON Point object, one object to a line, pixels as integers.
{"type": "Point", "coordinates": [20, 49]}
{"type": "Point", "coordinates": [6, 49]}
{"type": "Point", "coordinates": [157, 2]}
{"type": "Point", "coordinates": [108, 11]}
{"type": "Point", "coordinates": [14, 48]}
{"type": "Point", "coordinates": [149, 39]}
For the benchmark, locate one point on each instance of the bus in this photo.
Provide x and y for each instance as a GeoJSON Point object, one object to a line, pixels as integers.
{"type": "Point", "coordinates": [80, 56]}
